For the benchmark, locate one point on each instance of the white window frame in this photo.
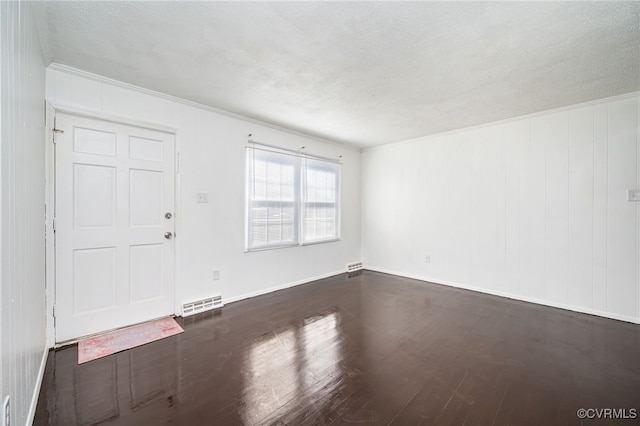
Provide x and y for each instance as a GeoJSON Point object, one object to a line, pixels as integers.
{"type": "Point", "coordinates": [299, 160]}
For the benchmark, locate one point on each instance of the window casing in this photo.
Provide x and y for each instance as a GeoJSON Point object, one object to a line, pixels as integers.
{"type": "Point", "coordinates": [291, 200]}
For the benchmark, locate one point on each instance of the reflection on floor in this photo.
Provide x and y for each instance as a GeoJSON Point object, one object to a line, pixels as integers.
{"type": "Point", "coordinates": [291, 365]}
{"type": "Point", "coordinates": [367, 349]}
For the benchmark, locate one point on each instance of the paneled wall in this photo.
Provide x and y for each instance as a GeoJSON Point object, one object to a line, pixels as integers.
{"type": "Point", "coordinates": [22, 295]}
{"type": "Point", "coordinates": [212, 160]}
{"type": "Point", "coordinates": [533, 208]}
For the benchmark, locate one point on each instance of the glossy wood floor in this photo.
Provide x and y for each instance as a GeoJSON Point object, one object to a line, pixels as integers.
{"type": "Point", "coordinates": [371, 349]}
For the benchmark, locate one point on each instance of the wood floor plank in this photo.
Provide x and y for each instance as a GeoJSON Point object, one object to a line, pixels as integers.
{"type": "Point", "coordinates": [371, 349]}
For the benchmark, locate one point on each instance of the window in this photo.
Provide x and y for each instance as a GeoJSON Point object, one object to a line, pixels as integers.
{"type": "Point", "coordinates": [320, 206]}
{"type": "Point", "coordinates": [292, 199]}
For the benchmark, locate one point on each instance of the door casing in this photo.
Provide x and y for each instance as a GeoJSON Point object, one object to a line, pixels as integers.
{"type": "Point", "coordinates": [50, 171]}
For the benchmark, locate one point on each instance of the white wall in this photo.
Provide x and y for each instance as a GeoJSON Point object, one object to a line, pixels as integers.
{"type": "Point", "coordinates": [22, 295]}
{"type": "Point", "coordinates": [533, 208]}
{"type": "Point", "coordinates": [212, 160]}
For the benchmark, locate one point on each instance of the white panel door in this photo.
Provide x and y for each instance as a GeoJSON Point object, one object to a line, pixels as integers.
{"type": "Point", "coordinates": [114, 214]}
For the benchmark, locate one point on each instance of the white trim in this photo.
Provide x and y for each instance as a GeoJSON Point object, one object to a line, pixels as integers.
{"type": "Point", "coordinates": [177, 225]}
{"type": "Point", "coordinates": [509, 295]}
{"type": "Point", "coordinates": [36, 390]}
{"type": "Point", "coordinates": [50, 260]}
{"type": "Point", "coordinates": [301, 153]}
{"type": "Point", "coordinates": [280, 287]}
{"type": "Point", "coordinates": [507, 120]}
{"type": "Point", "coordinates": [258, 249]}
{"type": "Point", "coordinates": [64, 109]}
{"type": "Point", "coordinates": [638, 207]}
{"type": "Point", "coordinates": [101, 79]}
{"type": "Point", "coordinates": [95, 77]}
{"type": "Point", "coordinates": [313, 243]}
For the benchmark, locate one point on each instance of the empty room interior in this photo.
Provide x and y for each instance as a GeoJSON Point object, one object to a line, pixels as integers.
{"type": "Point", "coordinates": [320, 213]}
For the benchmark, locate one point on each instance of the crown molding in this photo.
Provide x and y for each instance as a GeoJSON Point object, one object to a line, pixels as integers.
{"type": "Point", "coordinates": [510, 120]}
{"type": "Point", "coordinates": [106, 80]}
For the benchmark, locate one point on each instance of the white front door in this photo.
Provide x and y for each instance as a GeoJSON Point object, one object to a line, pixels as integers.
{"type": "Point", "coordinates": [113, 225]}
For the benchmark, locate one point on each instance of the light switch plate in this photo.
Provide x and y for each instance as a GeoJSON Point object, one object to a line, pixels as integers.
{"type": "Point", "coordinates": [203, 197]}
{"type": "Point", "coordinates": [633, 195]}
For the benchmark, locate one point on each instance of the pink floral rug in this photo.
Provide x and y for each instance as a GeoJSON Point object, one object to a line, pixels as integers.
{"type": "Point", "coordinates": [127, 338]}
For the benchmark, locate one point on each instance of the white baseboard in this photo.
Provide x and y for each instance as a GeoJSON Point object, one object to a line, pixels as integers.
{"type": "Point", "coordinates": [510, 296]}
{"type": "Point", "coordinates": [280, 287]}
{"type": "Point", "coordinates": [36, 391]}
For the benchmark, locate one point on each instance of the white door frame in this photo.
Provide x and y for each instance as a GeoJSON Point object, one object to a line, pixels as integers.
{"type": "Point", "coordinates": [50, 172]}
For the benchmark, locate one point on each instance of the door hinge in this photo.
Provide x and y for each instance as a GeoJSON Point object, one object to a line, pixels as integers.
{"type": "Point", "coordinates": [54, 224]}
{"type": "Point", "coordinates": [55, 129]}
{"type": "Point", "coordinates": [54, 311]}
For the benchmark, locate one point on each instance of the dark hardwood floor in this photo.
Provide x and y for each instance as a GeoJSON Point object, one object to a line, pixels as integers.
{"type": "Point", "coordinates": [370, 349]}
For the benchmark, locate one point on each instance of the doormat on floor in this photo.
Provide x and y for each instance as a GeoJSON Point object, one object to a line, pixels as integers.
{"type": "Point", "coordinates": [127, 338]}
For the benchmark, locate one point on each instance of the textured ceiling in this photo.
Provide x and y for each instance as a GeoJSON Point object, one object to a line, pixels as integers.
{"type": "Point", "coordinates": [361, 73]}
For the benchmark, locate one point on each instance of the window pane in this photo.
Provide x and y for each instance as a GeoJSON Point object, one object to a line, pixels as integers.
{"type": "Point", "coordinates": [288, 224]}
{"type": "Point", "coordinates": [320, 208]}
{"type": "Point", "coordinates": [272, 191]}
{"type": "Point", "coordinates": [260, 181]}
{"type": "Point", "coordinates": [259, 226]}
{"type": "Point", "coordinates": [288, 178]}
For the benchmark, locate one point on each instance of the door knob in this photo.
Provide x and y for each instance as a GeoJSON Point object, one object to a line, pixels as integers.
{"type": "Point", "coordinates": [167, 215]}
{"type": "Point", "coordinates": [168, 235]}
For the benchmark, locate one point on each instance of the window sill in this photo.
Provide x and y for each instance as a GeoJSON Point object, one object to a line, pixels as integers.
{"type": "Point", "coordinates": [311, 243]}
